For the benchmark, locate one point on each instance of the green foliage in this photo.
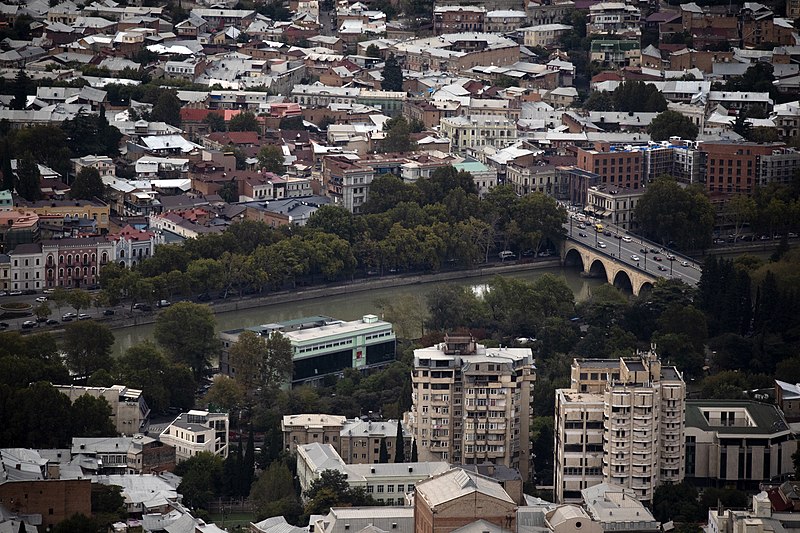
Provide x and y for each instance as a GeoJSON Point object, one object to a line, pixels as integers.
{"type": "Point", "coordinates": [383, 453]}
{"type": "Point", "coordinates": [186, 332]}
{"type": "Point", "coordinates": [273, 492]}
{"type": "Point", "coordinates": [599, 101]}
{"type": "Point", "coordinates": [77, 523]}
{"type": "Point", "coordinates": [91, 417]}
{"type": "Point", "coordinates": [638, 96]}
{"type": "Point", "coordinates": [669, 213]}
{"type": "Point", "coordinates": [373, 51]}
{"type": "Point", "coordinates": [398, 136]}
{"type": "Point", "coordinates": [28, 185]}
{"type": "Point", "coordinates": [91, 135]}
{"type": "Point", "coordinates": [201, 479]}
{"type": "Point", "coordinates": [225, 393]}
{"type": "Point", "coordinates": [677, 502]}
{"type": "Point", "coordinates": [167, 108]}
{"type": "Point", "coordinates": [245, 121]}
{"type": "Point", "coordinates": [215, 122]}
{"type": "Point", "coordinates": [88, 185]}
{"type": "Point", "coordinates": [87, 347]}
{"type": "Point", "coordinates": [757, 78]}
{"type": "Point", "coordinates": [672, 124]}
{"type": "Point", "coordinates": [23, 86]}
{"type": "Point", "coordinates": [270, 158]}
{"type": "Point", "coordinates": [229, 192]}
{"type": "Point", "coordinates": [332, 490]}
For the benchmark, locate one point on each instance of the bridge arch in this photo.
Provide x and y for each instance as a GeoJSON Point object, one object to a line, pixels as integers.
{"type": "Point", "coordinates": [645, 287]}
{"type": "Point", "coordinates": [597, 269]}
{"type": "Point", "coordinates": [623, 281]}
{"type": "Point", "coordinates": [574, 258]}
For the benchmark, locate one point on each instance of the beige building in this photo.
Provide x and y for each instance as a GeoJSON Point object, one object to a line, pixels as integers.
{"type": "Point", "coordinates": [475, 131]}
{"type": "Point", "coordinates": [471, 404]}
{"type": "Point", "coordinates": [129, 411]}
{"type": "Point", "coordinates": [615, 204]}
{"type": "Point", "coordinates": [737, 443]}
{"type": "Point", "coordinates": [621, 422]}
{"type": "Point", "coordinates": [198, 431]}
{"type": "Point", "coordinates": [544, 35]}
{"type": "Point", "coordinates": [307, 428]}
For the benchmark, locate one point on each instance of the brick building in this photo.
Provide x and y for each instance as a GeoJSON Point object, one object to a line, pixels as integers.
{"type": "Point", "coordinates": [623, 168]}
{"type": "Point", "coordinates": [54, 499]}
{"type": "Point", "coordinates": [733, 167]}
{"type": "Point", "coordinates": [453, 19]}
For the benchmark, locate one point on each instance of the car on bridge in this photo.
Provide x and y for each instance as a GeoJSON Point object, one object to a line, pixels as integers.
{"type": "Point", "coordinates": [662, 268]}
{"type": "Point", "coordinates": [636, 257]}
{"type": "Point", "coordinates": [582, 234]}
{"type": "Point", "coordinates": [601, 244]}
{"type": "Point", "coordinates": [656, 258]}
{"type": "Point", "coordinates": [627, 239]}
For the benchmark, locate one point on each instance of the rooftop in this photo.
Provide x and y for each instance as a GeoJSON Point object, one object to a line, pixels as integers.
{"type": "Point", "coordinates": [748, 417]}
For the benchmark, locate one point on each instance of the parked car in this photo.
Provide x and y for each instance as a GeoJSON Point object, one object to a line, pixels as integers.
{"type": "Point", "coordinates": [205, 297]}
{"type": "Point", "coordinates": [66, 317]}
{"type": "Point", "coordinates": [28, 292]}
{"type": "Point", "coordinates": [41, 299]}
{"type": "Point", "coordinates": [506, 254]}
{"type": "Point", "coordinates": [142, 307]}
{"type": "Point", "coordinates": [3, 293]}
{"type": "Point", "coordinates": [15, 293]}
{"type": "Point", "coordinates": [108, 312]}
{"type": "Point", "coordinates": [28, 324]}
{"type": "Point", "coordinates": [84, 316]}
{"type": "Point", "coordinates": [41, 319]}
{"type": "Point", "coordinates": [3, 325]}
{"type": "Point", "coordinates": [52, 322]}
{"type": "Point", "coordinates": [163, 303]}
{"type": "Point", "coordinates": [48, 291]}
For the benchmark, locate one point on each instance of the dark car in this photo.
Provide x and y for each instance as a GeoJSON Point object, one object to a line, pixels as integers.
{"type": "Point", "coordinates": [41, 319]}
{"type": "Point", "coordinates": [28, 292]}
{"type": "Point", "coordinates": [108, 312]}
{"type": "Point", "coordinates": [28, 324]}
{"type": "Point", "coordinates": [657, 258]}
{"type": "Point", "coordinates": [52, 322]}
{"type": "Point", "coordinates": [607, 233]}
{"type": "Point", "coordinates": [643, 250]}
{"type": "Point", "coordinates": [662, 268]}
{"type": "Point", "coordinates": [205, 297]}
{"type": "Point", "coordinates": [653, 251]}
{"type": "Point", "coordinates": [142, 307]}
{"type": "Point", "coordinates": [3, 325]}
{"type": "Point", "coordinates": [582, 234]}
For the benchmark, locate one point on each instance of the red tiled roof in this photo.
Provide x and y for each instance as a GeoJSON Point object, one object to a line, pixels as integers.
{"type": "Point", "coordinates": [194, 115]}
{"type": "Point", "coordinates": [606, 76]}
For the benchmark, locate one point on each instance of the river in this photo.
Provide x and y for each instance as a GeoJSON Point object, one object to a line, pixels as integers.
{"type": "Point", "coordinates": [349, 306]}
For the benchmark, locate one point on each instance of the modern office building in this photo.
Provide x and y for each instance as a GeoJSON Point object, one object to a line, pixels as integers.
{"type": "Point", "coordinates": [472, 404]}
{"type": "Point", "coordinates": [621, 421]}
{"type": "Point", "coordinates": [322, 345]}
{"type": "Point", "coordinates": [737, 443]}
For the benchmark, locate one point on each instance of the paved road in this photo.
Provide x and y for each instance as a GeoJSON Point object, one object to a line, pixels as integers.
{"type": "Point", "coordinates": [636, 253]}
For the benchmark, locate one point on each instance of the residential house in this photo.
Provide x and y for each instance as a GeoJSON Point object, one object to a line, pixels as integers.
{"type": "Point", "coordinates": [197, 431]}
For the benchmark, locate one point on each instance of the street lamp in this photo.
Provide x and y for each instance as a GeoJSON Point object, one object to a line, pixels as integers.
{"type": "Point", "coordinates": [595, 234]}
{"type": "Point", "coordinates": [671, 259]}
{"type": "Point", "coordinates": [645, 261]}
{"type": "Point", "coordinates": [570, 225]}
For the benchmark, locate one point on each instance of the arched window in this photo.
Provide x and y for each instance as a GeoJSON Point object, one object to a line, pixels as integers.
{"type": "Point", "coordinates": [61, 259]}
{"type": "Point", "coordinates": [104, 257]}
{"type": "Point", "coordinates": [94, 257]}
{"type": "Point", "coordinates": [122, 253]}
{"type": "Point", "coordinates": [85, 258]}
{"type": "Point", "coordinates": [69, 259]}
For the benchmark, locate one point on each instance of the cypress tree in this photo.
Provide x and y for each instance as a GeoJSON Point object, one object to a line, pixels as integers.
{"type": "Point", "coordinates": [399, 445]}
{"type": "Point", "coordinates": [414, 456]}
{"type": "Point", "coordinates": [383, 456]}
{"type": "Point", "coordinates": [248, 464]}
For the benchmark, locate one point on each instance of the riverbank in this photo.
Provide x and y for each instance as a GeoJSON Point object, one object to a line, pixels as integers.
{"type": "Point", "coordinates": [359, 285]}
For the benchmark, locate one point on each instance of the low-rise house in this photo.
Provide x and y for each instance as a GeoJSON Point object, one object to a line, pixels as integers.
{"type": "Point", "coordinates": [545, 35]}
{"type": "Point", "coordinates": [197, 431]}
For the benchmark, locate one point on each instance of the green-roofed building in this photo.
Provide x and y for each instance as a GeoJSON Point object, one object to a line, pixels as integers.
{"type": "Point", "coordinates": [485, 177]}
{"type": "Point", "coordinates": [739, 443]}
{"type": "Point", "coordinates": [616, 53]}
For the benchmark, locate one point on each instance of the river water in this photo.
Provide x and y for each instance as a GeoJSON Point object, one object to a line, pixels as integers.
{"type": "Point", "coordinates": [350, 306]}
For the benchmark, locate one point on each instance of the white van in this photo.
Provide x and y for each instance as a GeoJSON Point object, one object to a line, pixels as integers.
{"type": "Point", "coordinates": [506, 254]}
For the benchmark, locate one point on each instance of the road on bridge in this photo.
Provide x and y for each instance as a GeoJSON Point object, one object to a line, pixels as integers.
{"type": "Point", "coordinates": [635, 252]}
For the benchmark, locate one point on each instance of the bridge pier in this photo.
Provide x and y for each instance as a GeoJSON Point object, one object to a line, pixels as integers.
{"type": "Point", "coordinates": [599, 263]}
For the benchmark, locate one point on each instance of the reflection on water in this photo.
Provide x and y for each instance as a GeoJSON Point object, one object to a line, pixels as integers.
{"type": "Point", "coordinates": [352, 306]}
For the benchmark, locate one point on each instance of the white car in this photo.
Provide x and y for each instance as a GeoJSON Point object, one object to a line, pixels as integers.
{"type": "Point", "coordinates": [685, 263]}
{"type": "Point", "coordinates": [601, 244]}
{"type": "Point", "coordinates": [41, 299]}
{"type": "Point", "coordinates": [636, 257]}
{"type": "Point", "coordinates": [626, 239]}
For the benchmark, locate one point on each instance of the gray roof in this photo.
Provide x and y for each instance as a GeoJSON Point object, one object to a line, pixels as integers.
{"type": "Point", "coordinates": [277, 524]}
{"type": "Point", "coordinates": [456, 483]}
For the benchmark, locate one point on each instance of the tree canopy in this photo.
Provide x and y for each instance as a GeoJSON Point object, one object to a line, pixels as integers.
{"type": "Point", "coordinates": [186, 332]}
{"type": "Point", "coordinates": [87, 185]}
{"type": "Point", "coordinates": [673, 215]}
{"type": "Point", "coordinates": [672, 124]}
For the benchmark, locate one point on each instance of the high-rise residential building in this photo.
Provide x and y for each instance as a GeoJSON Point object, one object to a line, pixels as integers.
{"type": "Point", "coordinates": [621, 421]}
{"type": "Point", "coordinates": [472, 404]}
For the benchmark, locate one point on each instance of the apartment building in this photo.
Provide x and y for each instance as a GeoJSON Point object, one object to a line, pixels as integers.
{"type": "Point", "coordinates": [454, 19]}
{"type": "Point", "coordinates": [544, 35]}
{"type": "Point", "coordinates": [733, 167]}
{"type": "Point", "coordinates": [615, 204]}
{"type": "Point", "coordinates": [475, 131]}
{"type": "Point", "coordinates": [360, 440]}
{"type": "Point", "coordinates": [621, 421]}
{"type": "Point", "coordinates": [504, 20]}
{"type": "Point", "coordinates": [616, 54]}
{"type": "Point", "coordinates": [737, 443]}
{"type": "Point", "coordinates": [129, 411]}
{"type": "Point", "coordinates": [613, 18]}
{"type": "Point", "coordinates": [197, 431]}
{"type": "Point", "coordinates": [304, 429]}
{"type": "Point", "coordinates": [620, 168]}
{"type": "Point", "coordinates": [472, 404]}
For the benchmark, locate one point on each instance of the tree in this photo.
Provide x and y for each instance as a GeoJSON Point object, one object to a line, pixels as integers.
{"type": "Point", "coordinates": [91, 417]}
{"type": "Point", "coordinates": [88, 185]}
{"type": "Point", "coordinates": [43, 311]}
{"type": "Point", "coordinates": [89, 134]}
{"type": "Point", "coordinates": [28, 185]}
{"type": "Point", "coordinates": [229, 192]}
{"type": "Point", "coordinates": [672, 124]}
{"type": "Point", "coordinates": [669, 213]}
{"type": "Point", "coordinates": [332, 490]}
{"type": "Point", "coordinates": [77, 523]}
{"type": "Point", "coordinates": [167, 108]}
{"type": "Point", "coordinates": [23, 86]}
{"type": "Point", "coordinates": [261, 362]}
{"type": "Point", "coordinates": [677, 502]}
{"type": "Point", "coordinates": [414, 454]}
{"type": "Point", "coordinates": [373, 51]}
{"type": "Point", "coordinates": [599, 101]}
{"type": "Point", "coordinates": [399, 441]}
{"type": "Point", "coordinates": [201, 479]}
{"type": "Point", "coordinates": [215, 122]}
{"type": "Point", "coordinates": [270, 158]}
{"type": "Point", "coordinates": [245, 121]}
{"type": "Point", "coordinates": [383, 454]}
{"type": "Point", "coordinates": [392, 75]}
{"type": "Point", "coordinates": [225, 393]}
{"type": "Point", "coordinates": [186, 331]}
{"type": "Point", "coordinates": [742, 210]}
{"type": "Point", "coordinates": [638, 96]}
{"type": "Point", "coordinates": [79, 299]}
{"type": "Point", "coordinates": [274, 490]}
{"type": "Point", "coordinates": [398, 136]}
{"type": "Point", "coordinates": [87, 347]}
